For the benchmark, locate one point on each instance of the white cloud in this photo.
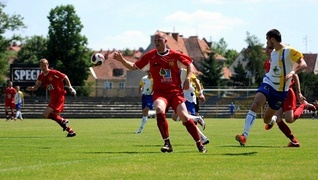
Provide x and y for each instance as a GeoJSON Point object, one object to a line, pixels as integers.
{"type": "Point", "coordinates": [128, 39]}
{"type": "Point", "coordinates": [203, 23]}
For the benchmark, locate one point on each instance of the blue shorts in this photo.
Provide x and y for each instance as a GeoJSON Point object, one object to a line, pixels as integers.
{"type": "Point", "coordinates": [147, 101]}
{"type": "Point", "coordinates": [274, 98]}
{"type": "Point", "coordinates": [190, 107]}
{"type": "Point", "coordinates": [18, 106]}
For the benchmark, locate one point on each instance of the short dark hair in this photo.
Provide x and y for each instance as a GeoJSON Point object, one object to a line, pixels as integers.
{"type": "Point", "coordinates": [274, 33]}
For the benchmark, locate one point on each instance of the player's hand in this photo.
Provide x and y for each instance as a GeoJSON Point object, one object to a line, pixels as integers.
{"type": "Point", "coordinates": [186, 84]}
{"type": "Point", "coordinates": [72, 90]}
{"type": "Point", "coordinates": [29, 88]}
{"type": "Point", "coordinates": [202, 98]}
{"type": "Point", "coordinates": [118, 56]}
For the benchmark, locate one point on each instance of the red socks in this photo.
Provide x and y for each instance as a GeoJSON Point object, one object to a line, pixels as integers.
{"type": "Point", "coordinates": [163, 126]}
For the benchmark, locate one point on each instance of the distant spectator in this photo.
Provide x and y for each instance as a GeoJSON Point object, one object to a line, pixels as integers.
{"type": "Point", "coordinates": [232, 110]}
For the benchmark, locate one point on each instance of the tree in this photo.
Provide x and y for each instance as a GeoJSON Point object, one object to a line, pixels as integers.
{"type": "Point", "coordinates": [240, 77]}
{"type": "Point", "coordinates": [33, 49]}
{"type": "Point", "coordinates": [7, 24]}
{"type": "Point", "coordinates": [67, 48]}
{"type": "Point", "coordinates": [220, 47]}
{"type": "Point", "coordinates": [211, 71]}
{"type": "Point", "coordinates": [255, 57]}
{"type": "Point", "coordinates": [308, 84]}
{"type": "Point", "coordinates": [230, 56]}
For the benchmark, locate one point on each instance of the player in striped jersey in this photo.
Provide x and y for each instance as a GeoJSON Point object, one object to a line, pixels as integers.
{"type": "Point", "coordinates": [285, 62]}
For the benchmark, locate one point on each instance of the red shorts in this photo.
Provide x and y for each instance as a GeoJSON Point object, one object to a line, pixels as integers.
{"type": "Point", "coordinates": [172, 99]}
{"type": "Point", "coordinates": [10, 104]}
{"type": "Point", "coordinates": [290, 102]}
{"type": "Point", "coordinates": [57, 103]}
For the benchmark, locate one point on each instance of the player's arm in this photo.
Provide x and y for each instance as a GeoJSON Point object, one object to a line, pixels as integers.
{"type": "Point", "coordinates": [35, 87]}
{"type": "Point", "coordinates": [119, 57]}
{"type": "Point", "coordinates": [69, 85]}
{"type": "Point", "coordinates": [22, 97]}
{"type": "Point", "coordinates": [299, 95]}
{"type": "Point", "coordinates": [200, 89]}
{"type": "Point", "coordinates": [141, 85]}
{"type": "Point", "coordinates": [186, 84]}
{"type": "Point", "coordinates": [301, 65]}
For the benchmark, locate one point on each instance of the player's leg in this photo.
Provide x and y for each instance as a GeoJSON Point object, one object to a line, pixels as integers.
{"type": "Point", "coordinates": [182, 112]}
{"type": "Point", "coordinates": [53, 110]}
{"type": "Point", "coordinates": [12, 107]}
{"type": "Point", "coordinates": [259, 101]}
{"type": "Point", "coordinates": [160, 105]}
{"type": "Point", "coordinates": [147, 104]}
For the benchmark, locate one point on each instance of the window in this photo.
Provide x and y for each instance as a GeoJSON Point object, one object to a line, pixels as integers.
{"type": "Point", "coordinates": [108, 85]}
{"type": "Point", "coordinates": [118, 72]}
{"type": "Point", "coordinates": [121, 85]}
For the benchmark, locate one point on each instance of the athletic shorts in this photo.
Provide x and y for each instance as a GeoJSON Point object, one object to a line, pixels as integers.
{"type": "Point", "coordinates": [18, 106]}
{"type": "Point", "coordinates": [290, 102]}
{"type": "Point", "coordinates": [274, 98]}
{"type": "Point", "coordinates": [147, 101]}
{"type": "Point", "coordinates": [172, 99]}
{"type": "Point", "coordinates": [57, 103]}
{"type": "Point", "coordinates": [190, 107]}
{"type": "Point", "coordinates": [10, 104]}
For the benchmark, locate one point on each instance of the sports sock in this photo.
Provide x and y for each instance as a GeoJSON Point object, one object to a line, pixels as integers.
{"type": "Point", "coordinates": [143, 121]}
{"type": "Point", "coordinates": [202, 136]}
{"type": "Point", "coordinates": [249, 121]}
{"type": "Point", "coordinates": [192, 129]}
{"type": "Point", "coordinates": [299, 111]}
{"type": "Point", "coordinates": [285, 129]}
{"type": "Point", "coordinates": [17, 114]}
{"type": "Point", "coordinates": [55, 117]}
{"type": "Point", "coordinates": [163, 126]}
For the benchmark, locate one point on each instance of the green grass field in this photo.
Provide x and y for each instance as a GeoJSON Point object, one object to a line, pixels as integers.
{"type": "Point", "coordinates": [109, 149]}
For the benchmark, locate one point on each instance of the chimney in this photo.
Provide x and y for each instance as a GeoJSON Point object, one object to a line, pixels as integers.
{"type": "Point", "coordinates": [175, 36]}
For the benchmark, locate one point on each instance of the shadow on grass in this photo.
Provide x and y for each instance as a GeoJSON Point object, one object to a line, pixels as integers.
{"type": "Point", "coordinates": [240, 154]}
{"type": "Point", "coordinates": [123, 152]}
{"type": "Point", "coordinates": [22, 137]}
{"type": "Point", "coordinates": [236, 146]}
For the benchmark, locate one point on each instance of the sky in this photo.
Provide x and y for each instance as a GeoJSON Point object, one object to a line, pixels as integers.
{"type": "Point", "coordinates": [121, 24]}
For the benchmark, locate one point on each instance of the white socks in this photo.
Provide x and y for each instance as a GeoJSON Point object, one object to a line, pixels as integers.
{"type": "Point", "coordinates": [143, 121]}
{"type": "Point", "coordinates": [249, 121]}
{"type": "Point", "coordinates": [274, 118]}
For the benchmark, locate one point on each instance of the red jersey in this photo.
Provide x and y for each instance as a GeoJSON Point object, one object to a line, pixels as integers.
{"type": "Point", "coordinates": [267, 65]}
{"type": "Point", "coordinates": [10, 93]}
{"type": "Point", "coordinates": [165, 69]}
{"type": "Point", "coordinates": [53, 82]}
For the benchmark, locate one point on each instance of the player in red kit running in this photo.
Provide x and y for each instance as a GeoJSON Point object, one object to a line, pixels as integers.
{"type": "Point", "coordinates": [164, 65]}
{"type": "Point", "coordinates": [9, 100]}
{"type": "Point", "coordinates": [53, 81]}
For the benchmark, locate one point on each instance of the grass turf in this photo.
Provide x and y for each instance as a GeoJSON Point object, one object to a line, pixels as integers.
{"type": "Point", "coordinates": [109, 149]}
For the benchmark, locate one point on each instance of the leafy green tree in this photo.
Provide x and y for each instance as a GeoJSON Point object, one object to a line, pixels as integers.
{"type": "Point", "coordinates": [211, 71]}
{"type": "Point", "coordinates": [239, 78]}
{"type": "Point", "coordinates": [7, 24]}
{"type": "Point", "coordinates": [308, 84]}
{"type": "Point", "coordinates": [230, 56]}
{"type": "Point", "coordinates": [220, 47]}
{"type": "Point", "coordinates": [33, 49]}
{"type": "Point", "coordinates": [255, 57]}
{"type": "Point", "coordinates": [67, 48]}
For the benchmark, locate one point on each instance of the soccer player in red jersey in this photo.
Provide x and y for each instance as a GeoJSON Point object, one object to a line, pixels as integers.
{"type": "Point", "coordinates": [164, 64]}
{"type": "Point", "coordinates": [9, 100]}
{"type": "Point", "coordinates": [53, 81]}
